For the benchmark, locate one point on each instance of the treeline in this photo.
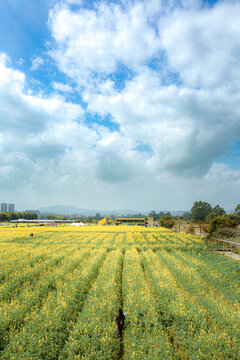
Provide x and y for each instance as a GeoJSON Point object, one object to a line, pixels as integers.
{"type": "Point", "coordinates": [216, 217]}
{"type": "Point", "coordinates": [202, 212]}
{"type": "Point", "coordinates": [8, 216]}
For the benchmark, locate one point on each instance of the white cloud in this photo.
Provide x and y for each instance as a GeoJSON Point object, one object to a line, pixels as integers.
{"type": "Point", "coordinates": [90, 41]}
{"type": "Point", "coordinates": [37, 61]}
{"type": "Point", "coordinates": [177, 108]}
{"type": "Point", "coordinates": [221, 174]}
{"type": "Point", "coordinates": [203, 46]}
{"type": "Point", "coordinates": [185, 125]}
{"type": "Point", "coordinates": [61, 87]}
{"type": "Point", "coordinates": [37, 134]}
{"type": "Point", "coordinates": [185, 128]}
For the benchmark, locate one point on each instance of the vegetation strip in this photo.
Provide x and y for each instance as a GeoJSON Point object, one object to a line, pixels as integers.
{"type": "Point", "coordinates": [121, 351]}
{"type": "Point", "coordinates": [30, 301]}
{"type": "Point", "coordinates": [50, 327]}
{"type": "Point", "coordinates": [222, 316]}
{"type": "Point", "coordinates": [144, 337]}
{"type": "Point", "coordinates": [215, 281]}
{"type": "Point", "coordinates": [191, 323]}
{"type": "Point", "coordinates": [95, 335]}
{"type": "Point", "coordinates": [182, 301]}
{"type": "Point", "coordinates": [166, 325]}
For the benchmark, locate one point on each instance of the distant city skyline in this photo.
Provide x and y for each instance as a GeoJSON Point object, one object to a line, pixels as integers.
{"type": "Point", "coordinates": [7, 207]}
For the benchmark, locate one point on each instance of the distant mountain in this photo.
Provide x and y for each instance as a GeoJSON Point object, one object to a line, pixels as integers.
{"type": "Point", "coordinates": [71, 210]}
{"type": "Point", "coordinates": [60, 210]}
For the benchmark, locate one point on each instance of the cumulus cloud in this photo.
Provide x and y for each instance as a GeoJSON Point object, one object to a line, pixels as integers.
{"type": "Point", "coordinates": [181, 97]}
{"type": "Point", "coordinates": [37, 133]}
{"type": "Point", "coordinates": [203, 46]}
{"type": "Point", "coordinates": [95, 41]}
{"type": "Point", "coordinates": [62, 87]}
{"type": "Point", "coordinates": [165, 73]}
{"type": "Point", "coordinates": [185, 128]}
{"type": "Point", "coordinates": [37, 61]}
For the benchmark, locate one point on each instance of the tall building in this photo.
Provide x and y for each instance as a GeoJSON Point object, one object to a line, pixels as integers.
{"type": "Point", "coordinates": [4, 207]}
{"type": "Point", "coordinates": [11, 207]}
{"type": "Point", "coordinates": [7, 207]}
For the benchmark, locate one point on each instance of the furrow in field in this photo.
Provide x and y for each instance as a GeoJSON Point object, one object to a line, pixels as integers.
{"type": "Point", "coordinates": [121, 350]}
{"type": "Point", "coordinates": [144, 337]}
{"type": "Point", "coordinates": [195, 322]}
{"type": "Point", "coordinates": [45, 334]}
{"type": "Point", "coordinates": [227, 269]}
{"type": "Point", "coordinates": [20, 259]}
{"type": "Point", "coordinates": [217, 306]}
{"type": "Point", "coordinates": [226, 290]}
{"type": "Point", "coordinates": [29, 275]}
{"type": "Point", "coordinates": [180, 352]}
{"type": "Point", "coordinates": [95, 334]}
{"type": "Point", "coordinates": [20, 310]}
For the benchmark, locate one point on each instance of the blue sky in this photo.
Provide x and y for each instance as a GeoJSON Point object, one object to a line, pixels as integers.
{"type": "Point", "coordinates": [119, 104]}
{"type": "Point", "coordinates": [24, 28]}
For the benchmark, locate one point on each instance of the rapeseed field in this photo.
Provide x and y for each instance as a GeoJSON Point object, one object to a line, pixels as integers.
{"type": "Point", "coordinates": [60, 291]}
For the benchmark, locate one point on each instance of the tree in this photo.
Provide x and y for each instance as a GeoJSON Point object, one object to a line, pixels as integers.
{"type": "Point", "coordinates": [237, 209]}
{"type": "Point", "coordinates": [200, 210]}
{"type": "Point", "coordinates": [211, 216]}
{"type": "Point", "coordinates": [153, 214]}
{"type": "Point", "coordinates": [12, 216]}
{"type": "Point", "coordinates": [219, 210]}
{"type": "Point", "coordinates": [216, 211]}
{"type": "Point", "coordinates": [235, 217]}
{"type": "Point", "coordinates": [224, 221]}
{"type": "Point", "coordinates": [51, 217]}
{"type": "Point", "coordinates": [186, 216]}
{"type": "Point", "coordinates": [166, 221]}
{"type": "Point", "coordinates": [3, 216]}
{"type": "Point", "coordinates": [30, 216]}
{"type": "Point", "coordinates": [19, 215]}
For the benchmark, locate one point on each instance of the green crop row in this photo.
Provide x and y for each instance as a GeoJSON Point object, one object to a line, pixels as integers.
{"type": "Point", "coordinates": [222, 279]}
{"type": "Point", "coordinates": [190, 312]}
{"type": "Point", "coordinates": [15, 313]}
{"type": "Point", "coordinates": [144, 337]}
{"type": "Point", "coordinates": [44, 335]}
{"type": "Point", "coordinates": [95, 334]}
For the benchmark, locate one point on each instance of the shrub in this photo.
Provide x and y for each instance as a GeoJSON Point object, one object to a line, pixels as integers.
{"type": "Point", "coordinates": [212, 215]}
{"type": "Point", "coordinates": [190, 230]}
{"type": "Point", "coordinates": [224, 221]}
{"type": "Point", "coordinates": [205, 228]}
{"type": "Point", "coordinates": [166, 221]}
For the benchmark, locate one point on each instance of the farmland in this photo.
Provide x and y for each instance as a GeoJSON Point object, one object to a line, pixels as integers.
{"type": "Point", "coordinates": [61, 289]}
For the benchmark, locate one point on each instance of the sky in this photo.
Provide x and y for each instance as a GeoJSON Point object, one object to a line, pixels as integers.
{"type": "Point", "coordinates": [119, 104]}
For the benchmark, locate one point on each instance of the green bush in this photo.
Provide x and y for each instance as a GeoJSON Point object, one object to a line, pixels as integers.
{"type": "Point", "coordinates": [224, 221]}
{"type": "Point", "coordinates": [166, 221]}
{"type": "Point", "coordinates": [190, 230]}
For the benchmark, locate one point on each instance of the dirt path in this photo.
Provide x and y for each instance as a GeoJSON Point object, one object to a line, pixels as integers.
{"type": "Point", "coordinates": [227, 253]}
{"type": "Point", "coordinates": [231, 255]}
{"type": "Point", "coordinates": [121, 352]}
